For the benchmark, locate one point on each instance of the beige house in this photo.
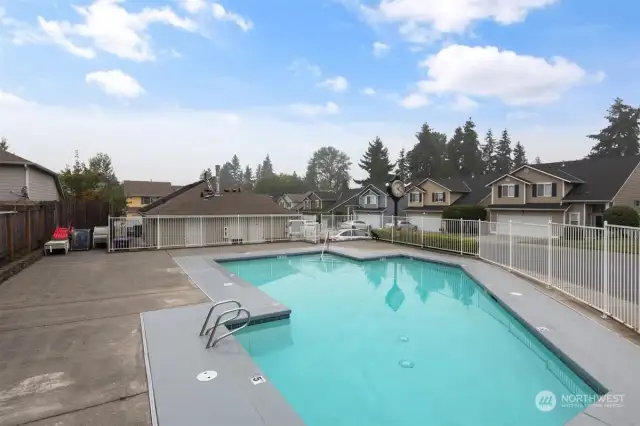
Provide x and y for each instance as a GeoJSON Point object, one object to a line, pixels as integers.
{"type": "Point", "coordinates": [24, 180]}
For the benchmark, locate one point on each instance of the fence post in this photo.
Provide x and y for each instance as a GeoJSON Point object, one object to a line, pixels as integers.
{"type": "Point", "coordinates": [605, 296]}
{"type": "Point", "coordinates": [393, 226]}
{"type": "Point", "coordinates": [271, 233]}
{"type": "Point", "coordinates": [510, 247]}
{"type": "Point", "coordinates": [461, 236]}
{"type": "Point", "coordinates": [158, 231]}
{"type": "Point", "coordinates": [201, 233]}
{"type": "Point", "coordinates": [28, 226]}
{"type": "Point", "coordinates": [479, 238]}
{"type": "Point", "coordinates": [549, 256]}
{"type": "Point", "coordinates": [238, 231]}
{"type": "Point", "coordinates": [109, 234]}
{"type": "Point", "coordinates": [8, 219]}
{"type": "Point", "coordinates": [422, 231]}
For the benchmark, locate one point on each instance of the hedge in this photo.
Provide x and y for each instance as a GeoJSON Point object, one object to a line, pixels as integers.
{"type": "Point", "coordinates": [466, 212]}
{"type": "Point", "coordinates": [622, 215]}
{"type": "Point", "coordinates": [451, 242]}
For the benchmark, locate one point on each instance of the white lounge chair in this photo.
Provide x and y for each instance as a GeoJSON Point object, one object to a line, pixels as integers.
{"type": "Point", "coordinates": [100, 235]}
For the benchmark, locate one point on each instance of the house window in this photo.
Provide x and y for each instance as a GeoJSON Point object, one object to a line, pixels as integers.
{"type": "Point", "coordinates": [544, 189]}
{"type": "Point", "coordinates": [370, 199]}
{"type": "Point", "coordinates": [636, 203]}
{"type": "Point", "coordinates": [574, 218]}
{"type": "Point", "coordinates": [317, 203]}
{"type": "Point", "coordinates": [145, 200]}
{"type": "Point", "coordinates": [508, 190]}
{"type": "Point", "coordinates": [415, 197]}
{"type": "Point", "coordinates": [438, 197]}
{"type": "Point", "coordinates": [307, 204]}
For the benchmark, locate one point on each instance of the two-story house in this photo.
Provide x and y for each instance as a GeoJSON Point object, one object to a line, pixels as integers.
{"type": "Point", "coordinates": [317, 203]}
{"type": "Point", "coordinates": [141, 193]}
{"type": "Point", "coordinates": [24, 180]}
{"type": "Point", "coordinates": [375, 206]}
{"type": "Point", "coordinates": [292, 201]}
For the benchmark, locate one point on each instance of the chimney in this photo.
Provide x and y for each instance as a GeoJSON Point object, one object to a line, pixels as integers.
{"type": "Point", "coordinates": [217, 178]}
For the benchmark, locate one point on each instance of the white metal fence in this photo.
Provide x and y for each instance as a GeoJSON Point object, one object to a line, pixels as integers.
{"type": "Point", "coordinates": [160, 232]}
{"type": "Point", "coordinates": [598, 266]}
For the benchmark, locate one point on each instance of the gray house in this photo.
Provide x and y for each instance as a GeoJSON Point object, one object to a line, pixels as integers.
{"type": "Point", "coordinates": [24, 180]}
{"type": "Point", "coordinates": [375, 207]}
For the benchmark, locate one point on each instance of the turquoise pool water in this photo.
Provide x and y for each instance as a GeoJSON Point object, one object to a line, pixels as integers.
{"type": "Point", "coordinates": [399, 342]}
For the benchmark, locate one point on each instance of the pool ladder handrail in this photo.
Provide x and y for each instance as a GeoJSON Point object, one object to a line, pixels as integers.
{"type": "Point", "coordinates": [325, 245]}
{"type": "Point", "coordinates": [212, 331]}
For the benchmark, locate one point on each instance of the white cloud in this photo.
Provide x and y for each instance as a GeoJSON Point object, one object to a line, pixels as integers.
{"type": "Point", "coordinates": [175, 54]}
{"type": "Point", "coordinates": [302, 66]}
{"type": "Point", "coordinates": [115, 83]}
{"type": "Point", "coordinates": [463, 103]}
{"type": "Point", "coordinates": [380, 49]}
{"type": "Point", "coordinates": [420, 21]}
{"type": "Point", "coordinates": [106, 26]}
{"type": "Point", "coordinates": [313, 110]}
{"type": "Point", "coordinates": [490, 72]}
{"type": "Point", "coordinates": [9, 99]}
{"type": "Point", "coordinates": [335, 84]}
{"type": "Point", "coordinates": [194, 6]}
{"type": "Point", "coordinates": [221, 14]}
{"type": "Point", "coordinates": [414, 101]}
{"type": "Point", "coordinates": [520, 115]}
{"type": "Point", "coordinates": [370, 91]}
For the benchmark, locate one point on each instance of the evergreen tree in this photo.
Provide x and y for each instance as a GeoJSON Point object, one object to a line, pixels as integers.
{"type": "Point", "coordinates": [258, 172]}
{"type": "Point", "coordinates": [376, 163]}
{"type": "Point", "coordinates": [519, 156]}
{"type": "Point", "coordinates": [622, 135]}
{"type": "Point", "coordinates": [503, 153]}
{"type": "Point", "coordinates": [425, 159]}
{"type": "Point", "coordinates": [488, 152]}
{"type": "Point", "coordinates": [227, 180]}
{"type": "Point", "coordinates": [4, 144]}
{"type": "Point", "coordinates": [267, 167]}
{"type": "Point", "coordinates": [538, 161]}
{"type": "Point", "coordinates": [311, 176]}
{"type": "Point", "coordinates": [470, 155]}
{"type": "Point", "coordinates": [247, 179]}
{"type": "Point", "coordinates": [206, 174]}
{"type": "Point", "coordinates": [236, 170]}
{"type": "Point", "coordinates": [453, 153]}
{"type": "Point", "coordinates": [402, 168]}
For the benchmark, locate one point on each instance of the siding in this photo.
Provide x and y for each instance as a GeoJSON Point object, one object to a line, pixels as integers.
{"type": "Point", "coordinates": [134, 202]}
{"type": "Point", "coordinates": [42, 186]}
{"type": "Point", "coordinates": [556, 217]}
{"type": "Point", "coordinates": [630, 190]}
{"type": "Point", "coordinates": [430, 188]}
{"type": "Point", "coordinates": [537, 177]}
{"type": "Point", "coordinates": [508, 200]}
{"type": "Point", "coordinates": [415, 203]}
{"type": "Point", "coordinates": [12, 178]}
{"type": "Point", "coordinates": [380, 203]}
{"type": "Point", "coordinates": [576, 208]}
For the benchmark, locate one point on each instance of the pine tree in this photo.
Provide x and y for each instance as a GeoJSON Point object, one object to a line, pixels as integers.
{"type": "Point", "coordinates": [206, 174]}
{"type": "Point", "coordinates": [402, 168]}
{"type": "Point", "coordinates": [519, 156]}
{"type": "Point", "coordinates": [538, 161]}
{"type": "Point", "coordinates": [227, 179]}
{"type": "Point", "coordinates": [311, 176]}
{"type": "Point", "coordinates": [267, 168]}
{"type": "Point", "coordinates": [425, 159]}
{"type": "Point", "coordinates": [622, 135]}
{"type": "Point", "coordinates": [236, 170]}
{"type": "Point", "coordinates": [376, 163]}
{"type": "Point", "coordinates": [503, 153]}
{"type": "Point", "coordinates": [454, 155]}
{"type": "Point", "coordinates": [258, 172]}
{"type": "Point", "coordinates": [470, 158]}
{"type": "Point", "coordinates": [488, 152]}
{"type": "Point", "coordinates": [4, 144]}
{"type": "Point", "coordinates": [247, 179]}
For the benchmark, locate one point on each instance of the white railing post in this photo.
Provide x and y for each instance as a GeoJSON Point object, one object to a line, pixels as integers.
{"type": "Point", "coordinates": [201, 233]}
{"type": "Point", "coordinates": [549, 255]}
{"type": "Point", "coordinates": [461, 236]}
{"type": "Point", "coordinates": [510, 247]}
{"type": "Point", "coordinates": [109, 234]}
{"type": "Point", "coordinates": [605, 290]}
{"type": "Point", "coordinates": [271, 234]}
{"type": "Point", "coordinates": [238, 229]}
{"type": "Point", "coordinates": [158, 231]}
{"type": "Point", "coordinates": [422, 231]}
{"type": "Point", "coordinates": [479, 238]}
{"type": "Point", "coordinates": [392, 227]}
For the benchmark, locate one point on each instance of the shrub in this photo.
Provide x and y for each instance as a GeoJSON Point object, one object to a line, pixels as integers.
{"type": "Point", "coordinates": [469, 212]}
{"type": "Point", "coordinates": [622, 215]}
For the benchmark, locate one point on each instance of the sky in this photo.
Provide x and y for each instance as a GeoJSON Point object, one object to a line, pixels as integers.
{"type": "Point", "coordinates": [168, 88]}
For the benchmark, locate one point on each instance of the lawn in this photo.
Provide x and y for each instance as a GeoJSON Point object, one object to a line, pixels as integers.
{"type": "Point", "coordinates": [435, 240]}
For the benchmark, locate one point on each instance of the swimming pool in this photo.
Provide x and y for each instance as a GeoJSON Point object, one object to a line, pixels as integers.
{"type": "Point", "coordinates": [399, 342]}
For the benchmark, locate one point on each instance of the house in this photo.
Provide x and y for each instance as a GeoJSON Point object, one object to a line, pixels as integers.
{"type": "Point", "coordinates": [24, 180]}
{"type": "Point", "coordinates": [292, 201]}
{"type": "Point", "coordinates": [572, 192]}
{"type": "Point", "coordinates": [346, 203]}
{"type": "Point", "coordinates": [176, 187]}
{"type": "Point", "coordinates": [375, 206]}
{"type": "Point", "coordinates": [140, 193]}
{"type": "Point", "coordinates": [185, 217]}
{"type": "Point", "coordinates": [317, 203]}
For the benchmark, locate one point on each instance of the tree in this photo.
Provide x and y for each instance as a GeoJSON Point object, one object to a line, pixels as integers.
{"type": "Point", "coordinates": [100, 165]}
{"type": "Point", "coordinates": [622, 215]}
{"type": "Point", "coordinates": [311, 176]}
{"type": "Point", "coordinates": [227, 180]}
{"type": "Point", "coordinates": [425, 159]}
{"type": "Point", "coordinates": [503, 153]}
{"type": "Point", "coordinates": [4, 144]}
{"type": "Point", "coordinates": [376, 163]}
{"type": "Point", "coordinates": [470, 155]}
{"type": "Point", "coordinates": [236, 170]}
{"type": "Point", "coordinates": [538, 161]}
{"type": "Point", "coordinates": [206, 174]}
{"type": "Point", "coordinates": [622, 135]}
{"type": "Point", "coordinates": [267, 167]}
{"type": "Point", "coordinates": [258, 172]}
{"type": "Point", "coordinates": [402, 168]}
{"type": "Point", "coordinates": [519, 156]}
{"type": "Point", "coordinates": [453, 151]}
{"type": "Point", "coordinates": [330, 168]}
{"type": "Point", "coordinates": [247, 179]}
{"type": "Point", "coordinates": [279, 184]}
{"type": "Point", "coordinates": [488, 152]}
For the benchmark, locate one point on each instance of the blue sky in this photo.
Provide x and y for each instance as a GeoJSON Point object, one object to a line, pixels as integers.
{"type": "Point", "coordinates": [170, 87]}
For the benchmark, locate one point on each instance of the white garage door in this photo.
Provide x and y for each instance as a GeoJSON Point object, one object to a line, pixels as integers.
{"type": "Point", "coordinates": [372, 219]}
{"type": "Point", "coordinates": [525, 225]}
{"type": "Point", "coordinates": [430, 222]}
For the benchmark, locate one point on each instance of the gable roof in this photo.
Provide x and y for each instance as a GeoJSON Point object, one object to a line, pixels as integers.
{"type": "Point", "coordinates": [556, 170]}
{"type": "Point", "coordinates": [296, 198]}
{"type": "Point", "coordinates": [8, 158]}
{"type": "Point", "coordinates": [326, 195]}
{"type": "Point", "coordinates": [147, 188]}
{"type": "Point", "coordinates": [453, 184]}
{"type": "Point", "coordinates": [188, 201]}
{"type": "Point", "coordinates": [478, 189]}
{"type": "Point", "coordinates": [511, 176]}
{"type": "Point", "coordinates": [345, 197]}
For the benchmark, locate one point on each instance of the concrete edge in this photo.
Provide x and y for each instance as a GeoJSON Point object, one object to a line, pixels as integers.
{"type": "Point", "coordinates": [147, 365]}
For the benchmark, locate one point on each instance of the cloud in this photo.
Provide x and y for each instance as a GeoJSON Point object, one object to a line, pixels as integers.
{"type": "Point", "coordinates": [503, 74]}
{"type": "Point", "coordinates": [9, 100]}
{"type": "Point", "coordinates": [221, 14]}
{"type": "Point", "coordinates": [414, 101]}
{"type": "Point", "coordinates": [463, 103]}
{"type": "Point", "coordinates": [370, 91]}
{"type": "Point", "coordinates": [106, 26]}
{"type": "Point", "coordinates": [115, 83]}
{"type": "Point", "coordinates": [380, 49]}
{"type": "Point", "coordinates": [313, 110]}
{"type": "Point", "coordinates": [335, 84]}
{"type": "Point", "coordinates": [194, 6]}
{"type": "Point", "coordinates": [302, 66]}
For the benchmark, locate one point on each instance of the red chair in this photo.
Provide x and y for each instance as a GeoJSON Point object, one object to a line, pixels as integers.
{"type": "Point", "coordinates": [61, 234]}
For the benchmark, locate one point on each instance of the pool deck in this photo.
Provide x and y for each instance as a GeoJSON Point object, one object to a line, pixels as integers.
{"type": "Point", "coordinates": [604, 359]}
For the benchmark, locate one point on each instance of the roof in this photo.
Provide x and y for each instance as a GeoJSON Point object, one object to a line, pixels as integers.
{"type": "Point", "coordinates": [530, 206]}
{"type": "Point", "coordinates": [188, 201]}
{"type": "Point", "coordinates": [176, 187]}
{"type": "Point", "coordinates": [345, 197]}
{"type": "Point", "coordinates": [297, 198]}
{"type": "Point", "coordinates": [478, 189]}
{"type": "Point", "coordinates": [325, 195]}
{"type": "Point", "coordinates": [511, 176]}
{"type": "Point", "coordinates": [147, 188]}
{"type": "Point", "coordinates": [453, 184]}
{"type": "Point", "coordinates": [9, 158]}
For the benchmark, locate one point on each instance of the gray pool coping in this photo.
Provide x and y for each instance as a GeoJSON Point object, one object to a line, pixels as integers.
{"type": "Point", "coordinates": [605, 360]}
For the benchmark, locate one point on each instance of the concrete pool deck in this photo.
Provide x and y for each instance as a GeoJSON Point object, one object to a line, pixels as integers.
{"type": "Point", "coordinates": [603, 358]}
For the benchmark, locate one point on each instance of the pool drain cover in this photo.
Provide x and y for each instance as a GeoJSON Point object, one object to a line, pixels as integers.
{"type": "Point", "coordinates": [404, 339]}
{"type": "Point", "coordinates": [258, 379]}
{"type": "Point", "coordinates": [405, 363]}
{"type": "Point", "coordinates": [206, 376]}
{"type": "Point", "coordinates": [515, 293]}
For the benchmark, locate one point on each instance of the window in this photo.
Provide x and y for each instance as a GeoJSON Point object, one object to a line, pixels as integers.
{"type": "Point", "coordinates": [307, 204]}
{"type": "Point", "coordinates": [370, 199]}
{"type": "Point", "coordinates": [415, 197]}
{"type": "Point", "coordinates": [574, 218]}
{"type": "Point", "coordinates": [636, 203]}
{"type": "Point", "coordinates": [317, 203]}
{"type": "Point", "coordinates": [358, 233]}
{"type": "Point", "coordinates": [507, 190]}
{"type": "Point", "coordinates": [438, 197]}
{"type": "Point", "coordinates": [544, 189]}
{"type": "Point", "coordinates": [145, 200]}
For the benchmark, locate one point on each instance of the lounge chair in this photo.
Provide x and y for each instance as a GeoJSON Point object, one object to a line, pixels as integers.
{"type": "Point", "coordinates": [59, 241]}
{"type": "Point", "coordinates": [100, 235]}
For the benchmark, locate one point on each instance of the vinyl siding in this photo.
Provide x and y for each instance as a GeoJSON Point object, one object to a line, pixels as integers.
{"type": "Point", "coordinates": [42, 186]}
{"type": "Point", "coordinates": [12, 179]}
{"type": "Point", "coordinates": [508, 200]}
{"type": "Point", "coordinates": [380, 200]}
{"type": "Point", "coordinates": [576, 208]}
{"type": "Point", "coordinates": [630, 190]}
{"type": "Point", "coordinates": [430, 188]}
{"type": "Point", "coordinates": [537, 177]}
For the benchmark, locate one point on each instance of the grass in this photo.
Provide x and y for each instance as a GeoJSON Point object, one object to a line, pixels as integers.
{"type": "Point", "coordinates": [618, 245]}
{"type": "Point", "coordinates": [435, 240]}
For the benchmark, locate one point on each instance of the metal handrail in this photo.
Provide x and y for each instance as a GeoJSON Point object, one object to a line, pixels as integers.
{"type": "Point", "coordinates": [325, 245]}
{"type": "Point", "coordinates": [211, 342]}
{"type": "Point", "coordinates": [223, 302]}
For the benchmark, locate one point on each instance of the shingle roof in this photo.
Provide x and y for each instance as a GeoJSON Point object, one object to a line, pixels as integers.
{"type": "Point", "coordinates": [454, 184]}
{"type": "Point", "coordinates": [147, 188]}
{"type": "Point", "coordinates": [478, 188]}
{"type": "Point", "coordinates": [188, 201]}
{"type": "Point", "coordinates": [326, 195]}
{"type": "Point", "coordinates": [297, 198]}
{"type": "Point", "coordinates": [176, 187]}
{"type": "Point", "coordinates": [530, 206]}
{"type": "Point", "coordinates": [345, 197]}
